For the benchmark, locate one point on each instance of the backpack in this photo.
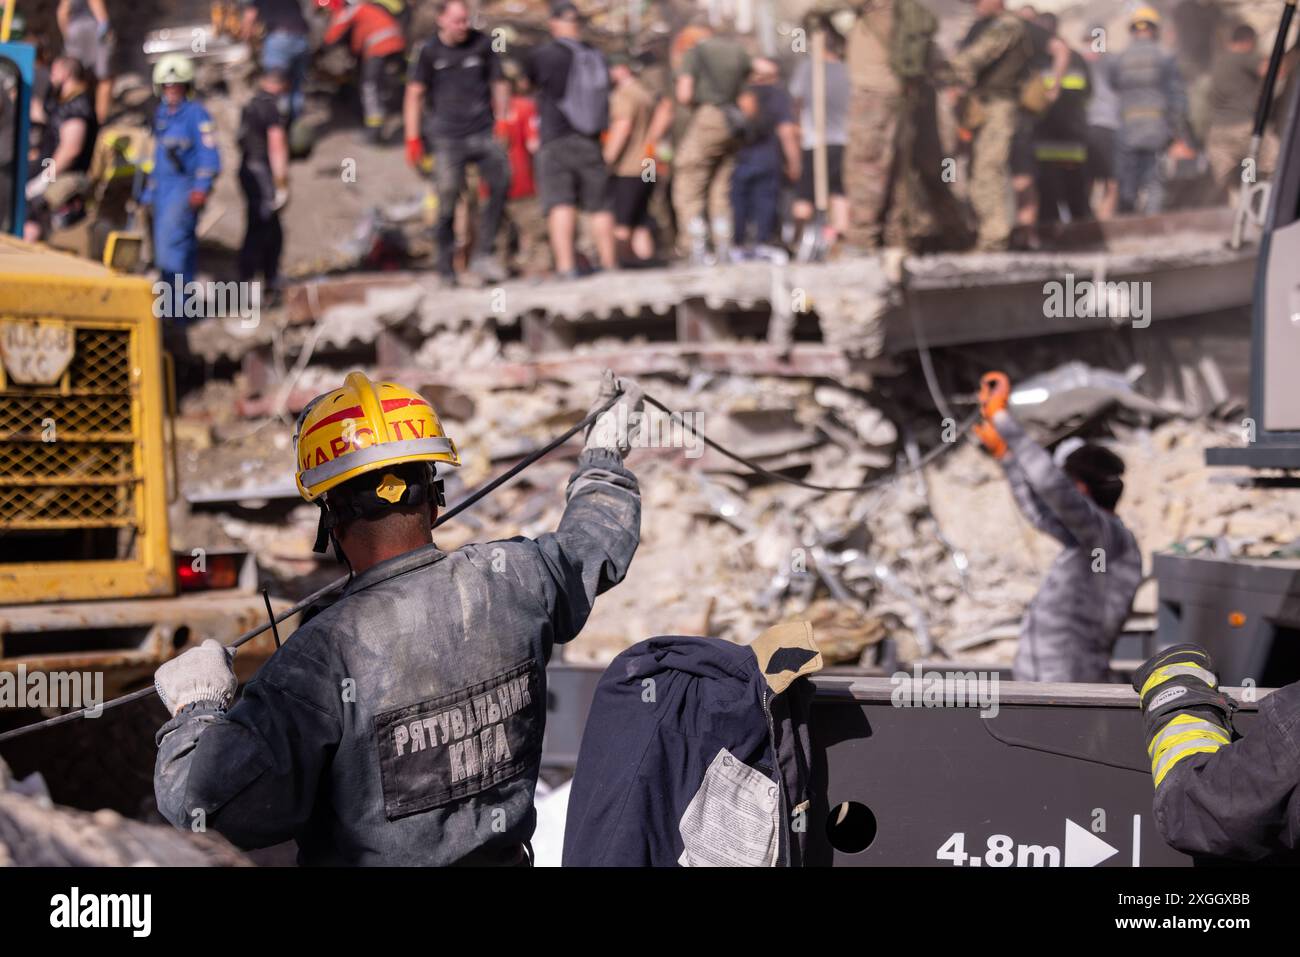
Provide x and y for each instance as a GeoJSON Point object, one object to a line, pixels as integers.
{"type": "Point", "coordinates": [909, 43]}
{"type": "Point", "coordinates": [586, 91]}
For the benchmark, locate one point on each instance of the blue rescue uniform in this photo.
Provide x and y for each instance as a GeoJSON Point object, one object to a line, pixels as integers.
{"type": "Point", "coordinates": [185, 160]}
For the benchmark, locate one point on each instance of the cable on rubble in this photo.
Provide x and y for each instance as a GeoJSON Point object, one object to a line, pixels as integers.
{"type": "Point", "coordinates": [486, 489]}
{"type": "Point", "coordinates": [962, 428]}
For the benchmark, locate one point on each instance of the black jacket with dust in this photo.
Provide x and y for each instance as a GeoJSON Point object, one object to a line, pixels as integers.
{"type": "Point", "coordinates": [1241, 802]}
{"type": "Point", "coordinates": [403, 725]}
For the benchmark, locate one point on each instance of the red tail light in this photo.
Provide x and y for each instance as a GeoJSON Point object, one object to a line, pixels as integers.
{"type": "Point", "coordinates": [210, 572]}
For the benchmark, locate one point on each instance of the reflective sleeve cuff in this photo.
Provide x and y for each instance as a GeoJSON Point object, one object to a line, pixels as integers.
{"type": "Point", "coordinates": [1162, 674]}
{"type": "Point", "coordinates": [1182, 737]}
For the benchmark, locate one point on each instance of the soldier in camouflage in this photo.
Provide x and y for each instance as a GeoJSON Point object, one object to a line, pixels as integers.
{"type": "Point", "coordinates": [893, 158]}
{"type": "Point", "coordinates": [991, 67]}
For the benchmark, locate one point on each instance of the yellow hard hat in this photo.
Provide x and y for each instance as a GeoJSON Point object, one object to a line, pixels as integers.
{"type": "Point", "coordinates": [363, 427]}
{"type": "Point", "coordinates": [1144, 15]}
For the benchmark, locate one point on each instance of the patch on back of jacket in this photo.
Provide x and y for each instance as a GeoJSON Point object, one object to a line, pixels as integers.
{"type": "Point", "coordinates": [459, 744]}
{"type": "Point", "coordinates": [733, 818]}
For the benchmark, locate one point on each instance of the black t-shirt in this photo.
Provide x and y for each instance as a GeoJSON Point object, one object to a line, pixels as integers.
{"type": "Point", "coordinates": [548, 72]}
{"type": "Point", "coordinates": [1067, 117]}
{"type": "Point", "coordinates": [79, 107]}
{"type": "Point", "coordinates": [260, 114]}
{"type": "Point", "coordinates": [281, 15]}
{"type": "Point", "coordinates": [458, 84]}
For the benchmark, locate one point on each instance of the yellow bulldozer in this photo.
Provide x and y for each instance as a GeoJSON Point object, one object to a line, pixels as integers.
{"type": "Point", "coordinates": [92, 597]}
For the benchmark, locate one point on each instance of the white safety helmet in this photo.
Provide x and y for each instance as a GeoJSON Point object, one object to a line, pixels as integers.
{"type": "Point", "coordinates": [172, 68]}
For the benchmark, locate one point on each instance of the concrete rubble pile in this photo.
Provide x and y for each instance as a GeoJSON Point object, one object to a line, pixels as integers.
{"type": "Point", "coordinates": [34, 832]}
{"type": "Point", "coordinates": [930, 563]}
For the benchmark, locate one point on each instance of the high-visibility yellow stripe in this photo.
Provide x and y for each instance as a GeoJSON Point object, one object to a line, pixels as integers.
{"type": "Point", "coordinates": [1181, 728]}
{"type": "Point", "coordinates": [1167, 740]}
{"type": "Point", "coordinates": [1061, 154]}
{"type": "Point", "coordinates": [1167, 761]}
{"type": "Point", "coordinates": [1185, 735]}
{"type": "Point", "coordinates": [1161, 675]}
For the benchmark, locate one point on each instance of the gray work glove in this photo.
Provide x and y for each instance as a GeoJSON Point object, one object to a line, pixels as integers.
{"type": "Point", "coordinates": [202, 674]}
{"type": "Point", "coordinates": [616, 428]}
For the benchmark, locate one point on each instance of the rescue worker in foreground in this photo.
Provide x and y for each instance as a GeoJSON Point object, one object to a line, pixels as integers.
{"type": "Point", "coordinates": [1216, 796]}
{"type": "Point", "coordinates": [1072, 623]}
{"type": "Point", "coordinates": [403, 724]}
{"type": "Point", "coordinates": [185, 163]}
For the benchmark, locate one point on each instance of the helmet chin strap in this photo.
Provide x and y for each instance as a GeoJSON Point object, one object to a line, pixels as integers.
{"type": "Point", "coordinates": [331, 517]}
{"type": "Point", "coordinates": [325, 536]}
{"type": "Point", "coordinates": [324, 528]}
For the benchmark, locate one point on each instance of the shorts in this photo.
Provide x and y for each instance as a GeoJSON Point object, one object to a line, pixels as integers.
{"type": "Point", "coordinates": [1024, 162]}
{"type": "Point", "coordinates": [571, 172]}
{"type": "Point", "coordinates": [629, 199]}
{"type": "Point", "coordinates": [834, 173]}
{"type": "Point", "coordinates": [82, 42]}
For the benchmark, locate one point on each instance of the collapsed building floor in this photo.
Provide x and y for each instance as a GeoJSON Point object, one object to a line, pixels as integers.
{"type": "Point", "coordinates": [836, 374]}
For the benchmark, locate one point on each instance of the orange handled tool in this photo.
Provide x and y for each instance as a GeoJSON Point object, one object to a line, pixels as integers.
{"type": "Point", "coordinates": [995, 389]}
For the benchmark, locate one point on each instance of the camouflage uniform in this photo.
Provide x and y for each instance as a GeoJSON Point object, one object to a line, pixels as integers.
{"type": "Point", "coordinates": [993, 62]}
{"type": "Point", "coordinates": [869, 163]}
{"type": "Point", "coordinates": [924, 213]}
{"type": "Point", "coordinates": [900, 203]}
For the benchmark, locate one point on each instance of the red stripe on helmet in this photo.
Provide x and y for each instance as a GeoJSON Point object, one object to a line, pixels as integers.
{"type": "Point", "coordinates": [352, 413]}
{"type": "Point", "coordinates": [355, 412]}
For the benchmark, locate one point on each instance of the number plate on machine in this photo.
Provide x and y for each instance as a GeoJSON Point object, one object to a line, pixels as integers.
{"type": "Point", "coordinates": [36, 353]}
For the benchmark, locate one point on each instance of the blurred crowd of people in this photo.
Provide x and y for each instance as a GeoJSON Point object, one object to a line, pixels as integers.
{"type": "Point", "coordinates": [568, 156]}
{"type": "Point", "coordinates": [1049, 129]}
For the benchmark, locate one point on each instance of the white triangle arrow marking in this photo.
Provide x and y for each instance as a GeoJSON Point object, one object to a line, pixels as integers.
{"type": "Point", "coordinates": [1083, 848]}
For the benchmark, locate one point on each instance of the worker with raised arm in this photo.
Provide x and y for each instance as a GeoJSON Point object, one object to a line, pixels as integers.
{"type": "Point", "coordinates": [1071, 625]}
{"type": "Point", "coordinates": [403, 724]}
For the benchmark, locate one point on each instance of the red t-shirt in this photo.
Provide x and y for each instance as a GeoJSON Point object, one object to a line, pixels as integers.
{"type": "Point", "coordinates": [519, 128]}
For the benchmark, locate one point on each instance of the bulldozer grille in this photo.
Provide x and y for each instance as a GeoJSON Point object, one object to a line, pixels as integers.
{"type": "Point", "coordinates": [68, 451]}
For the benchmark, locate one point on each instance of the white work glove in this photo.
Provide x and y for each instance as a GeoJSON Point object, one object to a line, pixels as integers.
{"type": "Point", "coordinates": [616, 428]}
{"type": "Point", "coordinates": [281, 199]}
{"type": "Point", "coordinates": [200, 674]}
